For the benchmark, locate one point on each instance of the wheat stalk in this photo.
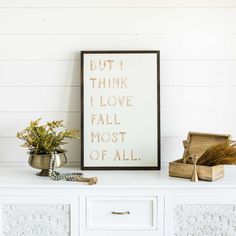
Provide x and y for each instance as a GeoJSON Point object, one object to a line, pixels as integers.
{"type": "Point", "coordinates": [220, 154]}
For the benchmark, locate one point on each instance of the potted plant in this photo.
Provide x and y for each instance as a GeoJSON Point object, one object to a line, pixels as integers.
{"type": "Point", "coordinates": [46, 140]}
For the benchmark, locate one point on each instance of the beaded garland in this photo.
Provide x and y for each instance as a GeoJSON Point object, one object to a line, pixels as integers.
{"type": "Point", "coordinates": [75, 176]}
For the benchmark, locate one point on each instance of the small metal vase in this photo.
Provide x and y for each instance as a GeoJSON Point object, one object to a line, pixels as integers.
{"type": "Point", "coordinates": [38, 161]}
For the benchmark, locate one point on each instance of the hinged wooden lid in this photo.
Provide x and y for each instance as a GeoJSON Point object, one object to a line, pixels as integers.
{"type": "Point", "coordinates": [197, 143]}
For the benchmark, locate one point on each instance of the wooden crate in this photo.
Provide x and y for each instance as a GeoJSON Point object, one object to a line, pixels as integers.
{"type": "Point", "coordinates": [197, 144]}
{"type": "Point", "coordinates": [209, 173]}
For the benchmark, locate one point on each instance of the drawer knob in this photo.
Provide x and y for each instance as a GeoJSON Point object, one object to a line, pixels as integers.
{"type": "Point", "coordinates": [120, 212]}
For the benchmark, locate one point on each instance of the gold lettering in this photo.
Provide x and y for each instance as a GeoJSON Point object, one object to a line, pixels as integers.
{"type": "Point", "coordinates": [105, 119]}
{"type": "Point", "coordinates": [101, 120]}
{"type": "Point", "coordinates": [122, 155]}
{"type": "Point", "coordinates": [129, 101]}
{"type": "Point", "coordinates": [93, 82]}
{"type": "Point", "coordinates": [122, 133]}
{"type": "Point", "coordinates": [105, 64]}
{"type": "Point", "coordinates": [96, 155]}
{"type": "Point", "coordinates": [133, 158]}
{"type": "Point", "coordinates": [109, 83]}
{"type": "Point", "coordinates": [93, 65]}
{"type": "Point", "coordinates": [95, 136]}
{"type": "Point", "coordinates": [123, 83]}
{"type": "Point", "coordinates": [101, 102]}
{"type": "Point", "coordinates": [122, 101]}
{"type": "Point", "coordinates": [104, 153]}
{"type": "Point", "coordinates": [112, 101]}
{"type": "Point", "coordinates": [117, 156]}
{"type": "Point", "coordinates": [116, 83]}
{"type": "Point", "coordinates": [114, 137]}
{"type": "Point", "coordinates": [110, 64]}
{"type": "Point", "coordinates": [102, 83]}
{"type": "Point", "coordinates": [93, 118]}
{"type": "Point", "coordinates": [102, 67]}
{"type": "Point", "coordinates": [106, 137]}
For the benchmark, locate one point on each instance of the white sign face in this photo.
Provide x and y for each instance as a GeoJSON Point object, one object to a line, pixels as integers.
{"type": "Point", "coordinates": [120, 110]}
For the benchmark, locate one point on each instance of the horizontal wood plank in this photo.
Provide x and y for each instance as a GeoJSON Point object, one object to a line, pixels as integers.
{"type": "Point", "coordinates": [39, 73]}
{"type": "Point", "coordinates": [118, 21]}
{"type": "Point", "coordinates": [201, 99]}
{"type": "Point", "coordinates": [40, 99]}
{"type": "Point", "coordinates": [179, 123]}
{"type": "Point", "coordinates": [115, 3]}
{"type": "Point", "coordinates": [198, 73]}
{"type": "Point", "coordinates": [13, 122]}
{"type": "Point", "coordinates": [190, 46]}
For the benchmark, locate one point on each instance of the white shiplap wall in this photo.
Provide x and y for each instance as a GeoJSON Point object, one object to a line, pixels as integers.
{"type": "Point", "coordinates": [40, 41]}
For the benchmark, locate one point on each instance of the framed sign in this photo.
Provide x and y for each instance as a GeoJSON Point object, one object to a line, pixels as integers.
{"type": "Point", "coordinates": [120, 110]}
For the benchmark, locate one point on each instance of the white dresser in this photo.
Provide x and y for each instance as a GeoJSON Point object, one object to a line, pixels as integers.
{"type": "Point", "coordinates": [127, 203]}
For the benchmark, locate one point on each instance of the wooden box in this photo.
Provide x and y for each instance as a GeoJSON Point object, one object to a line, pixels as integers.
{"type": "Point", "coordinates": [197, 144]}
{"type": "Point", "coordinates": [208, 173]}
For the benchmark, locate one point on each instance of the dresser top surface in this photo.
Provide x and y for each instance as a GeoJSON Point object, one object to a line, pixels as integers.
{"type": "Point", "coordinates": [25, 177]}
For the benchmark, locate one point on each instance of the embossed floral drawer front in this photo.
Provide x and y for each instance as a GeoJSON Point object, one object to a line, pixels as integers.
{"type": "Point", "coordinates": [202, 219]}
{"type": "Point", "coordinates": [35, 219]}
{"type": "Point", "coordinates": [198, 215]}
{"type": "Point", "coordinates": [121, 213]}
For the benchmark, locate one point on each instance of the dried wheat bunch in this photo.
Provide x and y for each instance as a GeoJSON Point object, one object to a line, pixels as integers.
{"type": "Point", "coordinates": [220, 154]}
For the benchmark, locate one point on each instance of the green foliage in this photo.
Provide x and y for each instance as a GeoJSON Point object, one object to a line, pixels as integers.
{"type": "Point", "coordinates": [47, 138]}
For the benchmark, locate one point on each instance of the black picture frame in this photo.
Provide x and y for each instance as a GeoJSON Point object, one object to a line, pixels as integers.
{"type": "Point", "coordinates": [84, 116]}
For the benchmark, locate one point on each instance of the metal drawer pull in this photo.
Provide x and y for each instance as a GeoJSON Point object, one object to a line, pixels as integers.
{"type": "Point", "coordinates": [120, 213]}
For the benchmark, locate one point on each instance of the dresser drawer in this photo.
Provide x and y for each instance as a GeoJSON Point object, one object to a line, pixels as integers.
{"type": "Point", "coordinates": [121, 213]}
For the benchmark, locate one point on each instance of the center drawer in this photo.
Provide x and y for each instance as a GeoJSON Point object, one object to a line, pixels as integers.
{"type": "Point", "coordinates": [121, 213]}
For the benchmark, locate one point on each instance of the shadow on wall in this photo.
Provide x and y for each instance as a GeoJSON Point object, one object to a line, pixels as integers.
{"type": "Point", "coordinates": [73, 116]}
